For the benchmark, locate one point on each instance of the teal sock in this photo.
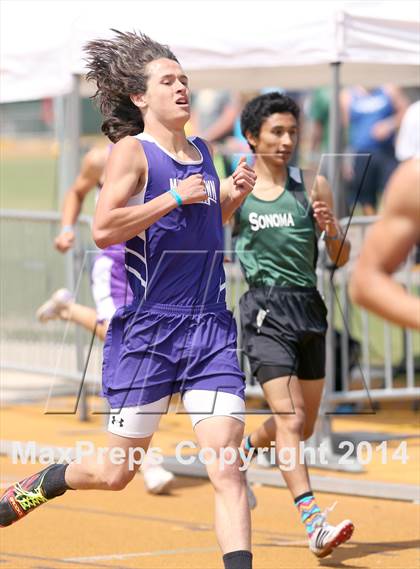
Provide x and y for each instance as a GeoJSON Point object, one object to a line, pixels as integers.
{"type": "Point", "coordinates": [248, 446]}
{"type": "Point", "coordinates": [310, 514]}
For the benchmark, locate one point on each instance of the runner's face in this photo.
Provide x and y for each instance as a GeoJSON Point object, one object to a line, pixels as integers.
{"type": "Point", "coordinates": [277, 138]}
{"type": "Point", "coordinates": [167, 96]}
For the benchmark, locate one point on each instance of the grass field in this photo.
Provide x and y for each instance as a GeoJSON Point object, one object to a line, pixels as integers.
{"type": "Point", "coordinates": [28, 184]}
{"type": "Point", "coordinates": [31, 183]}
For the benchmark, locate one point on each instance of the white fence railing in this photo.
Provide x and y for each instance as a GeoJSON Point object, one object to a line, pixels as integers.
{"type": "Point", "coordinates": [32, 270]}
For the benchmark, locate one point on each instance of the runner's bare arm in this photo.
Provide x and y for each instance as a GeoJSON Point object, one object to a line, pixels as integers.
{"type": "Point", "coordinates": [386, 246]}
{"type": "Point", "coordinates": [89, 176]}
{"type": "Point", "coordinates": [338, 248]}
{"type": "Point", "coordinates": [235, 189]}
{"type": "Point", "coordinates": [126, 172]}
{"type": "Point", "coordinates": [226, 186]}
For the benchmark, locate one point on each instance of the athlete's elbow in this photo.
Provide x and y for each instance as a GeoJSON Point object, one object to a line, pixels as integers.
{"type": "Point", "coordinates": [102, 242]}
{"type": "Point", "coordinates": [343, 258]}
{"type": "Point", "coordinates": [101, 237]}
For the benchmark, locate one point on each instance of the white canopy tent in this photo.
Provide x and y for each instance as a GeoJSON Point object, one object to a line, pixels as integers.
{"type": "Point", "coordinates": [221, 44]}
{"type": "Point", "coordinates": [237, 45]}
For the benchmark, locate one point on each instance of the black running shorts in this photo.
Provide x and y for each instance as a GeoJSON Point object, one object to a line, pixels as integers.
{"type": "Point", "coordinates": [283, 332]}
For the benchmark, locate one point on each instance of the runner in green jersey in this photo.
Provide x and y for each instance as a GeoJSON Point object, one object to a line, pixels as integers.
{"type": "Point", "coordinates": [283, 316]}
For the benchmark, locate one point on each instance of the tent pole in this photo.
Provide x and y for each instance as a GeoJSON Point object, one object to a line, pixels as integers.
{"type": "Point", "coordinates": [59, 133]}
{"type": "Point", "coordinates": [74, 128]}
{"type": "Point", "coordinates": [73, 257]}
{"type": "Point", "coordinates": [334, 137]}
{"type": "Point", "coordinates": [333, 178]}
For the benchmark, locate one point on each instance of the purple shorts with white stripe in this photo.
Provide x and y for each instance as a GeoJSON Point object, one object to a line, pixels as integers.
{"type": "Point", "coordinates": [110, 286]}
{"type": "Point", "coordinates": [155, 350]}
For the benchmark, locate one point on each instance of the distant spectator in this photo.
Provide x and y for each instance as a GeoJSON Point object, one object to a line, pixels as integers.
{"type": "Point", "coordinates": [212, 118]}
{"type": "Point", "coordinates": [319, 114]}
{"type": "Point", "coordinates": [47, 111]}
{"type": "Point", "coordinates": [236, 145]}
{"type": "Point", "coordinates": [373, 117]}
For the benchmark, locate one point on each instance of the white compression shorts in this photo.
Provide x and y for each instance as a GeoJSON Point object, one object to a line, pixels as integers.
{"type": "Point", "coordinates": [143, 420]}
{"type": "Point", "coordinates": [102, 290]}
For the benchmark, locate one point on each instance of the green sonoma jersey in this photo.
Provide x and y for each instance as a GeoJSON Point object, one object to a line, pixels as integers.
{"type": "Point", "coordinates": [277, 243]}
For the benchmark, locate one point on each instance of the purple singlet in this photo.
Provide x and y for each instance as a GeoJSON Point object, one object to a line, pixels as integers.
{"type": "Point", "coordinates": [177, 333]}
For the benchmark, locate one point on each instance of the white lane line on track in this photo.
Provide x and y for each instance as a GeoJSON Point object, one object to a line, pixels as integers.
{"type": "Point", "coordinates": [56, 561]}
{"type": "Point", "coordinates": [140, 554]}
{"type": "Point", "coordinates": [171, 552]}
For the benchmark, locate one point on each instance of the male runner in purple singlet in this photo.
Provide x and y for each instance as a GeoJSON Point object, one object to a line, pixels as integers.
{"type": "Point", "coordinates": [162, 197]}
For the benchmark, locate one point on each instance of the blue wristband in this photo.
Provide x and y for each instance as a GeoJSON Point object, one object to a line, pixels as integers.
{"type": "Point", "coordinates": [176, 196]}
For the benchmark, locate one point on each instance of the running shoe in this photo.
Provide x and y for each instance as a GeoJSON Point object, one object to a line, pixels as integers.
{"type": "Point", "coordinates": [252, 499]}
{"type": "Point", "coordinates": [326, 537]}
{"type": "Point", "coordinates": [263, 460]}
{"type": "Point", "coordinates": [23, 497]}
{"type": "Point", "coordinates": [50, 310]}
{"type": "Point", "coordinates": [157, 480]}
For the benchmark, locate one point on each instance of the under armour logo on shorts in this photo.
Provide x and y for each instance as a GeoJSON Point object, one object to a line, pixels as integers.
{"type": "Point", "coordinates": [114, 420]}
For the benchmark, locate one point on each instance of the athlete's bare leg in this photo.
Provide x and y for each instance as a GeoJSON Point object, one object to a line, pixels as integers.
{"type": "Point", "coordinates": [312, 394]}
{"type": "Point", "coordinates": [84, 316]}
{"type": "Point", "coordinates": [111, 470]}
{"type": "Point", "coordinates": [61, 305]}
{"type": "Point", "coordinates": [232, 517]}
{"type": "Point", "coordinates": [295, 405]}
{"type": "Point", "coordinates": [93, 473]}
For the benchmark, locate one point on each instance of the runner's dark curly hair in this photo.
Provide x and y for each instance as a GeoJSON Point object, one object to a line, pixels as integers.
{"type": "Point", "coordinates": [260, 108]}
{"type": "Point", "coordinates": [118, 66]}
